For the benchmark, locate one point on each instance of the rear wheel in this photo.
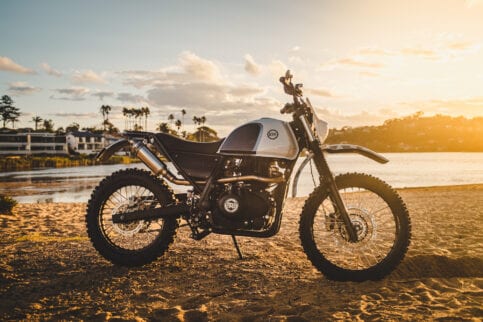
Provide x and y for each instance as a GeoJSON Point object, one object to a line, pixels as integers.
{"type": "Point", "coordinates": [379, 217]}
{"type": "Point", "coordinates": [136, 243]}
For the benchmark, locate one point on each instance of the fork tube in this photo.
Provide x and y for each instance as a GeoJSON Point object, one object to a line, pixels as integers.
{"type": "Point", "coordinates": [327, 180]}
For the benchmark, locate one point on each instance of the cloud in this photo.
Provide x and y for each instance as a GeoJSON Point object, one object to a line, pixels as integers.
{"type": "Point", "coordinates": [295, 48]}
{"type": "Point", "coordinates": [8, 65]}
{"type": "Point", "coordinates": [86, 116]}
{"type": "Point", "coordinates": [375, 51]}
{"type": "Point", "coordinates": [366, 73]}
{"type": "Point", "coordinates": [337, 119]}
{"type": "Point", "coordinates": [21, 88]}
{"type": "Point", "coordinates": [49, 70]}
{"type": "Point", "coordinates": [470, 106]}
{"type": "Point", "coordinates": [101, 94]}
{"type": "Point", "coordinates": [201, 69]}
{"type": "Point", "coordinates": [198, 85]}
{"type": "Point", "coordinates": [71, 94]}
{"type": "Point", "coordinates": [88, 76]}
{"type": "Point", "coordinates": [251, 67]}
{"type": "Point", "coordinates": [319, 92]}
{"type": "Point", "coordinates": [130, 98]}
{"type": "Point", "coordinates": [351, 62]}
{"type": "Point", "coordinates": [421, 52]}
{"type": "Point", "coordinates": [473, 3]}
{"type": "Point", "coordinates": [277, 68]}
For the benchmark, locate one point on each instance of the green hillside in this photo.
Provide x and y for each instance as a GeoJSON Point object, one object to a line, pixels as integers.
{"type": "Point", "coordinates": [416, 133]}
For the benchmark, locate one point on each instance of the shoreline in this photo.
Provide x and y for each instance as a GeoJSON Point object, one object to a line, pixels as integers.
{"type": "Point", "coordinates": [49, 270]}
{"type": "Point", "coordinates": [32, 192]}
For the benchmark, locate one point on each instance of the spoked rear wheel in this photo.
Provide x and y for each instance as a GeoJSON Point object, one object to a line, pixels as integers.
{"type": "Point", "coordinates": [379, 217]}
{"type": "Point", "coordinates": [135, 243]}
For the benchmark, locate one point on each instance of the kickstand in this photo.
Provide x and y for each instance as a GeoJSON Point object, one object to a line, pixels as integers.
{"type": "Point", "coordinates": [236, 246]}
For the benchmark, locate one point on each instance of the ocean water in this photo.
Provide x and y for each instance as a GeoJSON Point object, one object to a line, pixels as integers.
{"type": "Point", "coordinates": [403, 170]}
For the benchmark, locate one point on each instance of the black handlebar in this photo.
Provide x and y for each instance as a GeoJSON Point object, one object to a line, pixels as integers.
{"type": "Point", "coordinates": [290, 89]}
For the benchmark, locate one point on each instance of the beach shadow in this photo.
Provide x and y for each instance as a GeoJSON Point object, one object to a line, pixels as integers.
{"type": "Point", "coordinates": [427, 266]}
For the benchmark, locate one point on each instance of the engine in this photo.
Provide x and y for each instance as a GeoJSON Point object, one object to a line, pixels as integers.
{"type": "Point", "coordinates": [247, 205]}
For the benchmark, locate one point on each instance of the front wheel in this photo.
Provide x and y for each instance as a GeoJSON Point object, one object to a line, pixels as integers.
{"type": "Point", "coordinates": [379, 217]}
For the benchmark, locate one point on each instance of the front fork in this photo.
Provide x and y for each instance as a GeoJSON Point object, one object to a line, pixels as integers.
{"type": "Point", "coordinates": [327, 180]}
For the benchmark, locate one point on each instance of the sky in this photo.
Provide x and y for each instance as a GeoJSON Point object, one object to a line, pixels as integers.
{"type": "Point", "coordinates": [361, 62]}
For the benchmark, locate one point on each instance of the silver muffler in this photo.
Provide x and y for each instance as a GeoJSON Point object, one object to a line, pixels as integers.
{"type": "Point", "coordinates": [149, 159]}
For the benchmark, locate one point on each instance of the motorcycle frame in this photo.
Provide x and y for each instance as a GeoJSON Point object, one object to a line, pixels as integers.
{"type": "Point", "coordinates": [307, 138]}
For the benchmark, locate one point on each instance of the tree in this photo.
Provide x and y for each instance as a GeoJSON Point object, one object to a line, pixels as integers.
{"type": "Point", "coordinates": [128, 113]}
{"type": "Point", "coordinates": [166, 128]}
{"type": "Point", "coordinates": [36, 120]}
{"type": "Point", "coordinates": [105, 109]}
{"type": "Point", "coordinates": [49, 126]}
{"type": "Point", "coordinates": [73, 127]}
{"type": "Point", "coordinates": [178, 124]}
{"type": "Point", "coordinates": [146, 112]}
{"type": "Point", "coordinates": [171, 118]}
{"type": "Point", "coordinates": [8, 112]}
{"type": "Point", "coordinates": [203, 132]}
{"type": "Point", "coordinates": [202, 121]}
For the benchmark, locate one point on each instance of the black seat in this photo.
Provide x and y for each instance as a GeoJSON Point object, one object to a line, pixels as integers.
{"type": "Point", "coordinates": [196, 159]}
{"type": "Point", "coordinates": [173, 143]}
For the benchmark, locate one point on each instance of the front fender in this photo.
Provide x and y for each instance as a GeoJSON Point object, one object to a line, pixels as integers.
{"type": "Point", "coordinates": [108, 151]}
{"type": "Point", "coordinates": [337, 148]}
{"type": "Point", "coordinates": [351, 148]}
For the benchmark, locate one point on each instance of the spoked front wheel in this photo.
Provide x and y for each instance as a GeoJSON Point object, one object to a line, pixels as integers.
{"type": "Point", "coordinates": [138, 242]}
{"type": "Point", "coordinates": [381, 222]}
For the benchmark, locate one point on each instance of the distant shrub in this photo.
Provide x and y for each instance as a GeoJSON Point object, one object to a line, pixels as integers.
{"type": "Point", "coordinates": [7, 204]}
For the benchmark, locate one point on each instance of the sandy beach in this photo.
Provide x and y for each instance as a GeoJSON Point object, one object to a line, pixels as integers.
{"type": "Point", "coordinates": [50, 271]}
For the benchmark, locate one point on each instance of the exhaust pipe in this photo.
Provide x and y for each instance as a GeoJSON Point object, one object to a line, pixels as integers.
{"type": "Point", "coordinates": [149, 159]}
{"type": "Point", "coordinates": [157, 166]}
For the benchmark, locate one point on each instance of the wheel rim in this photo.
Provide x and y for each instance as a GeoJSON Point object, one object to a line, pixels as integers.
{"type": "Point", "coordinates": [375, 226]}
{"type": "Point", "coordinates": [136, 235]}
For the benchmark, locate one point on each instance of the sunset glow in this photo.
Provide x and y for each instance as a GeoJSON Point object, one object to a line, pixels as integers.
{"type": "Point", "coordinates": [362, 62]}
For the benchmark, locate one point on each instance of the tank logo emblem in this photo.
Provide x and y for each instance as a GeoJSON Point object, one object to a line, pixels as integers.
{"type": "Point", "coordinates": [272, 134]}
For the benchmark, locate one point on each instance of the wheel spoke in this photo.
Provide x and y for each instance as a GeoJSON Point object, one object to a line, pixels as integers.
{"type": "Point", "coordinates": [375, 229]}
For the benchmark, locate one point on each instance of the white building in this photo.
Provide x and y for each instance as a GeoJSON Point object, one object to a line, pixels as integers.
{"type": "Point", "coordinates": [32, 143]}
{"type": "Point", "coordinates": [85, 142]}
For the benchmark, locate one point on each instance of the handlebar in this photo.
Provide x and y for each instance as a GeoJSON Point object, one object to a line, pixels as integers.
{"type": "Point", "coordinates": [294, 90]}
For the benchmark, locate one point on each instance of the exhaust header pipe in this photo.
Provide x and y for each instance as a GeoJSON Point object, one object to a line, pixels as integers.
{"type": "Point", "coordinates": [158, 167]}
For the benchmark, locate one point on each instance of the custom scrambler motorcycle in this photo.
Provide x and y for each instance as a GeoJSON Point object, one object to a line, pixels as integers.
{"type": "Point", "coordinates": [352, 227]}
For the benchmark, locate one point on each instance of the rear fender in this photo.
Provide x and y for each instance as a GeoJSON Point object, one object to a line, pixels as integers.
{"type": "Point", "coordinates": [108, 151]}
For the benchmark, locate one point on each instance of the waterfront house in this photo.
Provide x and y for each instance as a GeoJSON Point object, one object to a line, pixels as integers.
{"type": "Point", "coordinates": [84, 142]}
{"type": "Point", "coordinates": [29, 143]}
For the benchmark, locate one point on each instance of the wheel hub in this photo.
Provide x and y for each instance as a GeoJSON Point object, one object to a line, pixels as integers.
{"type": "Point", "coordinates": [132, 228]}
{"type": "Point", "coordinates": [361, 222]}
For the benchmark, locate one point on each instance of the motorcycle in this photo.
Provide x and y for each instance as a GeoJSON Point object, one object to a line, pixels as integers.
{"type": "Point", "coordinates": [353, 227]}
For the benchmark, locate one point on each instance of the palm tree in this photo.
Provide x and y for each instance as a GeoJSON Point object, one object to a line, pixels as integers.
{"type": "Point", "coordinates": [36, 120]}
{"type": "Point", "coordinates": [202, 121]}
{"type": "Point", "coordinates": [171, 118]}
{"type": "Point", "coordinates": [125, 112]}
{"type": "Point", "coordinates": [138, 113]}
{"type": "Point", "coordinates": [163, 127]}
{"type": "Point", "coordinates": [178, 124]}
{"type": "Point", "coordinates": [146, 113]}
{"type": "Point", "coordinates": [105, 109]}
{"type": "Point", "coordinates": [48, 126]}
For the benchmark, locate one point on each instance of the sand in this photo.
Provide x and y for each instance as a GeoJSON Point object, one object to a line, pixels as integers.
{"type": "Point", "coordinates": [50, 271]}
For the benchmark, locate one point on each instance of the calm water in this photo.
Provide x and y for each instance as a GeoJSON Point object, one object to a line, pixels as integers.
{"type": "Point", "coordinates": [403, 170]}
